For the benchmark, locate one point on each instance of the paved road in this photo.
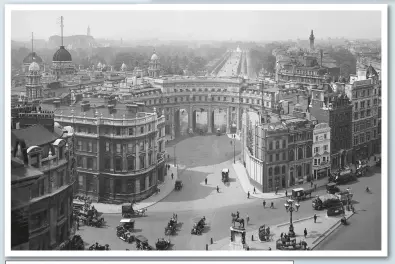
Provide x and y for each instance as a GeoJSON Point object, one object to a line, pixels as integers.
{"type": "Point", "coordinates": [364, 231]}
{"type": "Point", "coordinates": [198, 158]}
{"type": "Point", "coordinates": [231, 65]}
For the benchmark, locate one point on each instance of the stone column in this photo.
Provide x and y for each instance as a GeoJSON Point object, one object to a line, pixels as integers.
{"type": "Point", "coordinates": [209, 120]}
{"type": "Point", "coordinates": [173, 123]}
{"type": "Point", "coordinates": [238, 119]}
{"type": "Point", "coordinates": [190, 119]}
{"type": "Point", "coordinates": [228, 120]}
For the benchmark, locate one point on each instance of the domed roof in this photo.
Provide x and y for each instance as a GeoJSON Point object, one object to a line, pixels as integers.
{"type": "Point", "coordinates": [34, 66]}
{"type": "Point", "coordinates": [154, 57]}
{"type": "Point", "coordinates": [371, 72]}
{"type": "Point", "coordinates": [62, 55]}
{"type": "Point", "coordinates": [32, 57]}
{"type": "Point", "coordinates": [99, 65]}
{"type": "Point", "coordinates": [124, 67]}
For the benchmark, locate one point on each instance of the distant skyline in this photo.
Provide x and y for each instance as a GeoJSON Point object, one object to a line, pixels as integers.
{"type": "Point", "coordinates": [198, 25]}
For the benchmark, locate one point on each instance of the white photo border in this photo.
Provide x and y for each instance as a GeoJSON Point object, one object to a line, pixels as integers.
{"type": "Point", "coordinates": [383, 8]}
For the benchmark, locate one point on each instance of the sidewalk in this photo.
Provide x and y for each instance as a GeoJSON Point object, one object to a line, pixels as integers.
{"type": "Point", "coordinates": [316, 233]}
{"type": "Point", "coordinates": [165, 189]}
{"type": "Point", "coordinates": [247, 186]}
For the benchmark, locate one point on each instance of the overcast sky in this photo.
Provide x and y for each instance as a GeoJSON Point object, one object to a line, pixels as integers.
{"type": "Point", "coordinates": [198, 25]}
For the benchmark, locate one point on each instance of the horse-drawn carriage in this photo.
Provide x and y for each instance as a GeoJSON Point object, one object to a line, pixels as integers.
{"type": "Point", "coordinates": [225, 175]}
{"type": "Point", "coordinates": [125, 229]}
{"type": "Point", "coordinates": [361, 169]}
{"type": "Point", "coordinates": [178, 185]}
{"type": "Point", "coordinates": [301, 194]}
{"type": "Point", "coordinates": [129, 212]}
{"type": "Point", "coordinates": [286, 243]}
{"type": "Point", "coordinates": [171, 227]}
{"type": "Point", "coordinates": [264, 233]}
{"type": "Point", "coordinates": [97, 246]}
{"type": "Point", "coordinates": [75, 243]}
{"type": "Point", "coordinates": [90, 217]}
{"type": "Point", "coordinates": [198, 227]}
{"type": "Point", "coordinates": [142, 243]}
{"type": "Point", "coordinates": [162, 244]}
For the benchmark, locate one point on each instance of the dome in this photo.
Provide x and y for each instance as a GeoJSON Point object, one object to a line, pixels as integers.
{"type": "Point", "coordinates": [34, 67]}
{"type": "Point", "coordinates": [32, 57]}
{"type": "Point", "coordinates": [99, 65]}
{"type": "Point", "coordinates": [124, 67]}
{"type": "Point", "coordinates": [62, 55]}
{"type": "Point", "coordinates": [154, 57]}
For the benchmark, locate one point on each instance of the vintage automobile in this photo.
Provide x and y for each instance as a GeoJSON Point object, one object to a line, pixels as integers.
{"type": "Point", "coordinates": [332, 188]}
{"type": "Point", "coordinates": [343, 176]}
{"type": "Point", "coordinates": [127, 224]}
{"type": "Point", "coordinates": [178, 185]}
{"type": "Point", "coordinates": [325, 201]}
{"type": "Point", "coordinates": [301, 194]}
{"type": "Point", "coordinates": [162, 244]}
{"type": "Point", "coordinates": [264, 233]}
{"type": "Point", "coordinates": [198, 227]}
{"type": "Point", "coordinates": [142, 243]}
{"type": "Point", "coordinates": [128, 211]}
{"type": "Point", "coordinates": [335, 210]}
{"type": "Point", "coordinates": [225, 175]}
{"type": "Point", "coordinates": [97, 246]}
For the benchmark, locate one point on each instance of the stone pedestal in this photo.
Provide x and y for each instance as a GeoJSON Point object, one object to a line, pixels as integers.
{"type": "Point", "coordinates": [237, 238]}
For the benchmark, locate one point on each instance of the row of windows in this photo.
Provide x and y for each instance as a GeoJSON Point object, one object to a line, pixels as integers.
{"type": "Point", "coordinates": [366, 103]}
{"type": "Point", "coordinates": [318, 161]}
{"type": "Point", "coordinates": [88, 146]}
{"type": "Point", "coordinates": [325, 137]}
{"type": "Point", "coordinates": [300, 137]}
{"type": "Point", "coordinates": [130, 147]}
{"type": "Point", "coordinates": [300, 154]}
{"type": "Point", "coordinates": [276, 157]}
{"type": "Point", "coordinates": [213, 98]}
{"type": "Point", "coordinates": [362, 114]}
{"type": "Point", "coordinates": [318, 149]}
{"type": "Point", "coordinates": [364, 137]}
{"type": "Point", "coordinates": [277, 170]}
{"type": "Point", "coordinates": [131, 131]}
{"type": "Point", "coordinates": [277, 144]}
{"type": "Point", "coordinates": [364, 125]}
{"type": "Point", "coordinates": [130, 163]}
{"type": "Point", "coordinates": [363, 93]}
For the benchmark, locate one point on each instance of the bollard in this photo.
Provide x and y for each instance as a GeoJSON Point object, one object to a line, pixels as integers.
{"type": "Point", "coordinates": [212, 241]}
{"type": "Point", "coordinates": [252, 237]}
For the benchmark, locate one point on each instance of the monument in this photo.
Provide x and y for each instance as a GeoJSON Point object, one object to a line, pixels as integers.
{"type": "Point", "coordinates": [237, 238]}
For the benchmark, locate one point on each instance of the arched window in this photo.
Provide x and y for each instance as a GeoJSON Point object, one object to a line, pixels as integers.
{"type": "Point", "coordinates": [276, 170]}
{"type": "Point", "coordinates": [308, 152]}
{"type": "Point", "coordinates": [277, 144]}
{"type": "Point", "coordinates": [300, 153]}
{"type": "Point", "coordinates": [283, 170]}
{"type": "Point", "coordinates": [270, 171]}
{"type": "Point", "coordinates": [291, 155]}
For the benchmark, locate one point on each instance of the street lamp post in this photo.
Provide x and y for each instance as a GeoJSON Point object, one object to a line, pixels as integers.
{"type": "Point", "coordinates": [291, 206]}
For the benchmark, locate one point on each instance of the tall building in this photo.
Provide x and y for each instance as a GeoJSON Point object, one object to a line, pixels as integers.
{"type": "Point", "coordinates": [119, 148]}
{"type": "Point", "coordinates": [42, 178]}
{"type": "Point", "coordinates": [321, 151]}
{"type": "Point", "coordinates": [364, 92]}
{"type": "Point", "coordinates": [277, 152]}
{"type": "Point", "coordinates": [34, 89]}
{"type": "Point", "coordinates": [62, 66]}
{"type": "Point", "coordinates": [336, 110]}
{"type": "Point", "coordinates": [311, 38]}
{"type": "Point", "coordinates": [154, 66]}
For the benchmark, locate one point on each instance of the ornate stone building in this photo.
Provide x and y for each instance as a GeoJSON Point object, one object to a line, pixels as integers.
{"type": "Point", "coordinates": [154, 66]}
{"type": "Point", "coordinates": [321, 151]}
{"type": "Point", "coordinates": [34, 89]}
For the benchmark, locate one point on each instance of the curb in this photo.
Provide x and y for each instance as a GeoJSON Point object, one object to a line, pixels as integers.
{"type": "Point", "coordinates": [328, 232]}
{"type": "Point", "coordinates": [296, 221]}
{"type": "Point", "coordinates": [142, 207]}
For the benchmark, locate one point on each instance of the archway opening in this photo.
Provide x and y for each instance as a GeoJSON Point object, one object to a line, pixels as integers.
{"type": "Point", "coordinates": [219, 120]}
{"type": "Point", "coordinates": [201, 120]}
{"type": "Point", "coordinates": [184, 122]}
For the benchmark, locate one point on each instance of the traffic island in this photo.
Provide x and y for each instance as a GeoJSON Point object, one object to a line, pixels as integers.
{"type": "Point", "coordinates": [316, 233]}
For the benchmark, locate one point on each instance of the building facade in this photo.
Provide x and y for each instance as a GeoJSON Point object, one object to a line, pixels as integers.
{"type": "Point", "coordinates": [336, 110]}
{"type": "Point", "coordinates": [34, 89]}
{"type": "Point", "coordinates": [321, 151]}
{"type": "Point", "coordinates": [42, 189]}
{"type": "Point", "coordinates": [119, 150]}
{"type": "Point", "coordinates": [364, 93]}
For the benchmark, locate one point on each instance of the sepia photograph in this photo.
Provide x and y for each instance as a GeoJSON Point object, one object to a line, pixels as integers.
{"type": "Point", "coordinates": [199, 130]}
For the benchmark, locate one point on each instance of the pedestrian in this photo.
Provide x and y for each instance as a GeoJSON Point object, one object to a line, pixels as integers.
{"type": "Point", "coordinates": [282, 234]}
{"type": "Point", "coordinates": [272, 205]}
{"type": "Point", "coordinates": [172, 176]}
{"type": "Point", "coordinates": [78, 223]}
{"type": "Point", "coordinates": [315, 218]}
{"type": "Point", "coordinates": [297, 205]}
{"type": "Point", "coordinates": [205, 180]}
{"type": "Point", "coordinates": [315, 186]}
{"type": "Point", "coordinates": [311, 184]}
{"type": "Point", "coordinates": [217, 189]}
{"type": "Point", "coordinates": [237, 214]}
{"type": "Point", "coordinates": [254, 190]}
{"type": "Point", "coordinates": [248, 195]}
{"type": "Point", "coordinates": [264, 204]}
{"type": "Point", "coordinates": [305, 232]}
{"type": "Point", "coordinates": [286, 193]}
{"type": "Point", "coordinates": [276, 190]}
{"type": "Point", "coordinates": [248, 219]}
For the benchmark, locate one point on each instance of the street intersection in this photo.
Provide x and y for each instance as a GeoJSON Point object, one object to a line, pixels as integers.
{"type": "Point", "coordinates": [203, 157]}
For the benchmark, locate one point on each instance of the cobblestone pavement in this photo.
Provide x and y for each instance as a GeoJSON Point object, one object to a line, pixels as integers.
{"type": "Point", "coordinates": [198, 158]}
